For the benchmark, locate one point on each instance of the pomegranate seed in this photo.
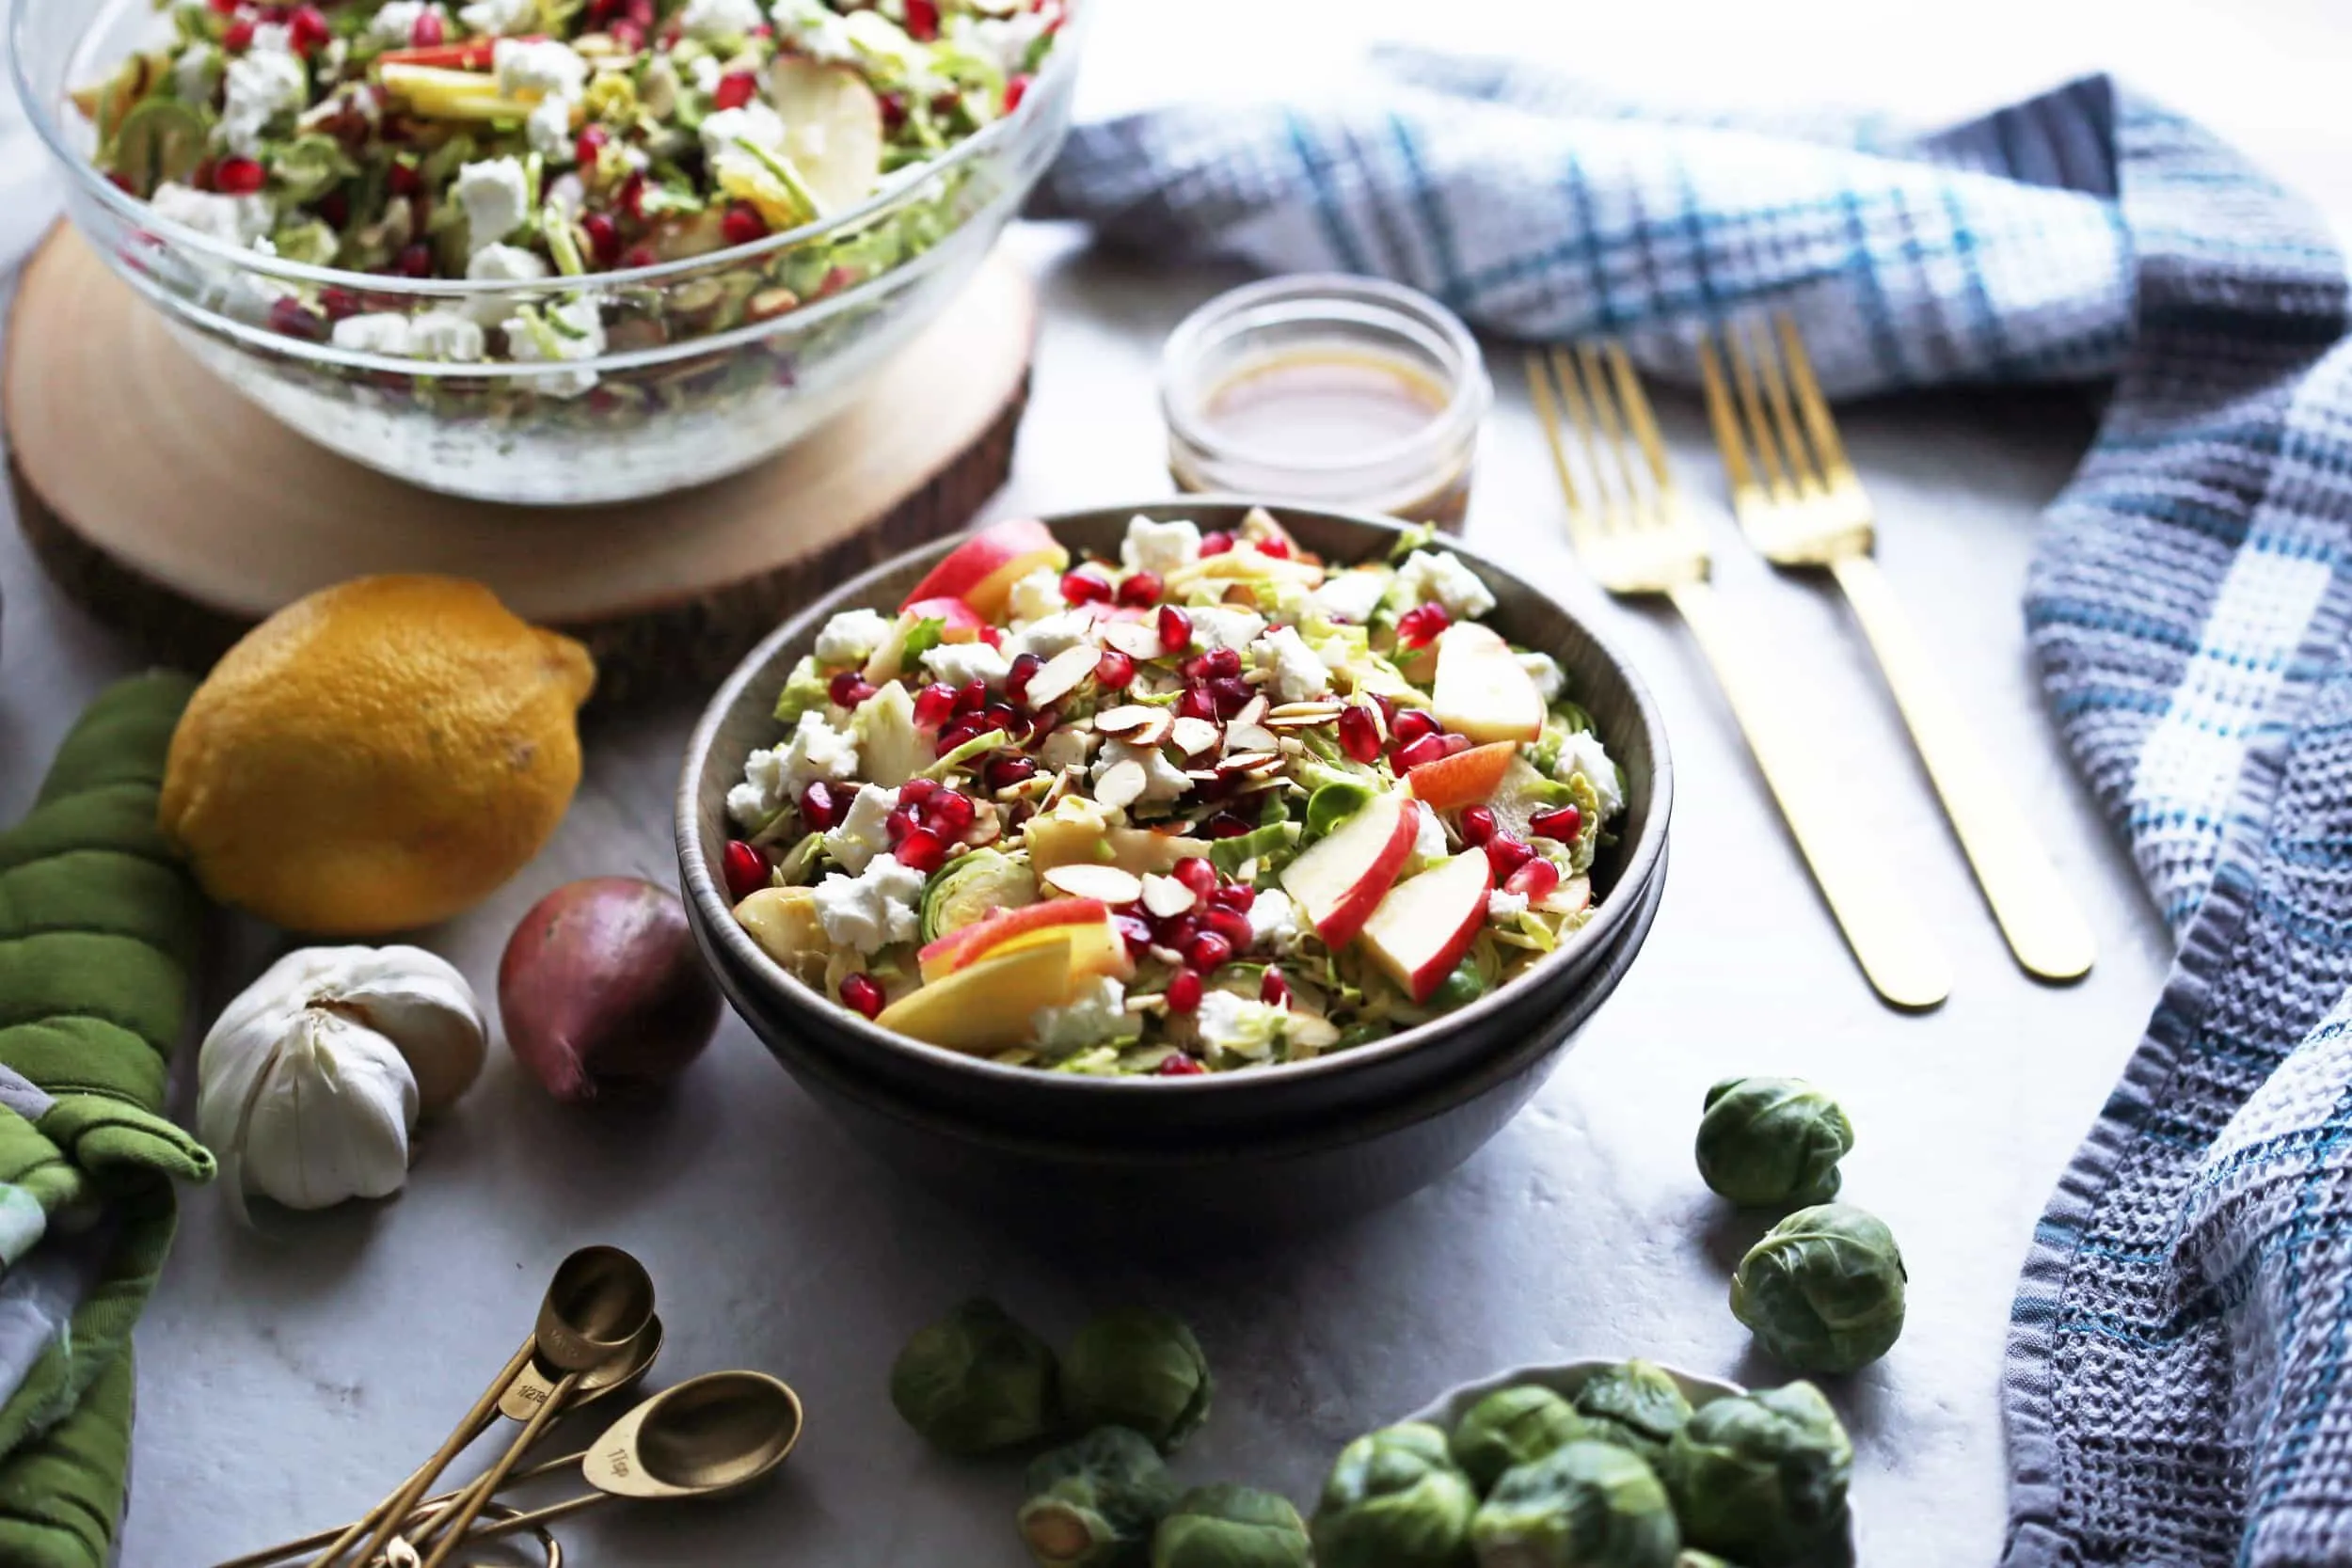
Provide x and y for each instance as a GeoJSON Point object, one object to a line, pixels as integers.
{"type": "Point", "coordinates": [1233, 895]}
{"type": "Point", "coordinates": [426, 31]}
{"type": "Point", "coordinates": [1360, 738]}
{"type": "Point", "coordinates": [604, 237]}
{"type": "Point", "coordinates": [1175, 629]}
{"type": "Point", "coordinates": [934, 704]}
{"type": "Point", "coordinates": [1195, 872]}
{"type": "Point", "coordinates": [307, 29]}
{"type": "Point", "coordinates": [1196, 704]}
{"type": "Point", "coordinates": [818, 806]}
{"type": "Point", "coordinates": [1507, 852]}
{"type": "Point", "coordinates": [337, 303]}
{"type": "Point", "coordinates": [1175, 931]}
{"type": "Point", "coordinates": [639, 255]}
{"type": "Point", "coordinates": [1387, 707]}
{"type": "Point", "coordinates": [922, 20]}
{"type": "Point", "coordinates": [972, 696]}
{"type": "Point", "coordinates": [1134, 931]}
{"type": "Point", "coordinates": [1561, 822]}
{"type": "Point", "coordinates": [335, 207]}
{"type": "Point", "coordinates": [122, 181]}
{"type": "Point", "coordinates": [1207, 951]}
{"type": "Point", "coordinates": [1141, 590]}
{"type": "Point", "coordinates": [1084, 588]}
{"type": "Point", "coordinates": [585, 147]}
{"type": "Point", "coordinates": [238, 37]}
{"type": "Point", "coordinates": [632, 196]}
{"type": "Point", "coordinates": [1231, 694]}
{"type": "Point", "coordinates": [916, 791]}
{"type": "Point", "coordinates": [291, 318]}
{"type": "Point", "coordinates": [1273, 990]}
{"type": "Point", "coordinates": [922, 850]}
{"type": "Point", "coordinates": [414, 261]}
{"type": "Point", "coordinates": [1216, 542]}
{"type": "Point", "coordinates": [1420, 626]}
{"type": "Point", "coordinates": [1534, 880]}
{"type": "Point", "coordinates": [1115, 670]}
{"type": "Point", "coordinates": [861, 993]}
{"type": "Point", "coordinates": [999, 716]}
{"type": "Point", "coordinates": [238, 176]}
{"type": "Point", "coordinates": [743, 223]}
{"type": "Point", "coordinates": [1181, 1065]}
{"type": "Point", "coordinates": [1231, 924]}
{"type": "Point", "coordinates": [1002, 773]}
{"type": "Point", "coordinates": [1224, 662]}
{"type": "Point", "coordinates": [894, 108]}
{"type": "Point", "coordinates": [1428, 749]}
{"type": "Point", "coordinates": [1015, 90]}
{"type": "Point", "coordinates": [953, 813]}
{"type": "Point", "coordinates": [993, 637]}
{"type": "Point", "coordinates": [848, 688]}
{"type": "Point", "coordinates": [1274, 545]}
{"type": "Point", "coordinates": [734, 89]}
{"type": "Point", "coordinates": [1478, 824]}
{"type": "Point", "coordinates": [1224, 824]}
{"type": "Point", "coordinates": [225, 7]}
{"type": "Point", "coordinates": [1183, 992]}
{"type": "Point", "coordinates": [745, 868]}
{"type": "Point", "coordinates": [627, 36]}
{"type": "Point", "coordinates": [1411, 724]}
{"type": "Point", "coordinates": [954, 735]}
{"type": "Point", "coordinates": [403, 179]}
{"type": "Point", "coordinates": [898, 824]}
{"type": "Point", "coordinates": [1024, 667]}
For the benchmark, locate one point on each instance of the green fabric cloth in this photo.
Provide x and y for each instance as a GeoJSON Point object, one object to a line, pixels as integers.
{"type": "Point", "coordinates": [98, 927]}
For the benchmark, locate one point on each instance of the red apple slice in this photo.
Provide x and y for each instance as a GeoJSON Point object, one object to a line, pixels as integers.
{"type": "Point", "coordinates": [1341, 878]}
{"type": "Point", "coordinates": [1424, 926]}
{"type": "Point", "coordinates": [982, 570]}
{"type": "Point", "coordinates": [958, 948]}
{"type": "Point", "coordinates": [1481, 690]}
{"type": "Point", "coordinates": [987, 1006]}
{"type": "Point", "coordinates": [1465, 779]}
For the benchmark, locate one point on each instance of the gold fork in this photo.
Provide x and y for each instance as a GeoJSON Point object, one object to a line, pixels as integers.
{"type": "Point", "coordinates": [1637, 540]}
{"type": "Point", "coordinates": [1807, 509]}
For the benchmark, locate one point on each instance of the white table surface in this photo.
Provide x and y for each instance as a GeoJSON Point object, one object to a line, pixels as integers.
{"type": "Point", "coordinates": [287, 1377]}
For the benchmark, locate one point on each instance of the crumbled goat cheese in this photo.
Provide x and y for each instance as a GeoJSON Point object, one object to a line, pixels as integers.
{"type": "Point", "coordinates": [1583, 753]}
{"type": "Point", "coordinates": [714, 20]}
{"type": "Point", "coordinates": [1162, 779]}
{"type": "Point", "coordinates": [1223, 626]}
{"type": "Point", "coordinates": [569, 331]}
{"type": "Point", "coordinates": [863, 830]}
{"type": "Point", "coordinates": [1503, 905]}
{"type": "Point", "coordinates": [872, 909]}
{"type": "Point", "coordinates": [501, 17]}
{"type": "Point", "coordinates": [1096, 1014]}
{"type": "Point", "coordinates": [496, 198]}
{"type": "Point", "coordinates": [263, 85]}
{"type": "Point", "coordinates": [1298, 674]}
{"type": "Point", "coordinates": [851, 637]}
{"type": "Point", "coordinates": [1161, 547]}
{"type": "Point", "coordinates": [1236, 1025]}
{"type": "Point", "coordinates": [1426, 576]}
{"type": "Point", "coordinates": [1038, 595]}
{"type": "Point", "coordinates": [234, 219]}
{"type": "Point", "coordinates": [781, 774]}
{"type": "Point", "coordinates": [961, 663]}
{"type": "Point", "coordinates": [1352, 596]}
{"type": "Point", "coordinates": [1545, 671]}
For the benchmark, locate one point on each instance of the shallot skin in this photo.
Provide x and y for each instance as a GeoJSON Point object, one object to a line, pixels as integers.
{"type": "Point", "coordinates": [602, 991]}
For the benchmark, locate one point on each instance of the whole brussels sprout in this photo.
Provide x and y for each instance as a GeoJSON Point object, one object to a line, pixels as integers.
{"type": "Point", "coordinates": [1762, 1477]}
{"type": "Point", "coordinates": [1512, 1427]}
{"type": "Point", "coordinates": [1231, 1527]}
{"type": "Point", "coordinates": [1588, 1505]}
{"type": "Point", "coordinates": [1134, 1366]}
{"type": "Point", "coordinates": [1764, 1142]}
{"type": "Point", "coordinates": [1822, 1291]}
{"type": "Point", "coordinates": [1635, 1404]}
{"type": "Point", "coordinates": [1395, 1500]}
{"type": "Point", "coordinates": [975, 1381]}
{"type": "Point", "coordinates": [1095, 1502]}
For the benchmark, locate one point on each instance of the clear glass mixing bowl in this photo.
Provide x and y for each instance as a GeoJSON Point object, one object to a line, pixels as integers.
{"type": "Point", "coordinates": [711, 364]}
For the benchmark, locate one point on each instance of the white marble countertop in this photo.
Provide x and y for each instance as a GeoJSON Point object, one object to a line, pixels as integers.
{"type": "Point", "coordinates": [287, 1377]}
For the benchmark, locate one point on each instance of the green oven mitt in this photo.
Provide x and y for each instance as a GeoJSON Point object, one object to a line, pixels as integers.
{"type": "Point", "coordinates": [98, 927]}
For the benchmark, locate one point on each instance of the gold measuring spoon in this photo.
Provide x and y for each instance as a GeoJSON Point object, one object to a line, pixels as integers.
{"type": "Point", "coordinates": [600, 1299]}
{"type": "Point", "coordinates": [524, 1396]}
{"type": "Point", "coordinates": [710, 1434]}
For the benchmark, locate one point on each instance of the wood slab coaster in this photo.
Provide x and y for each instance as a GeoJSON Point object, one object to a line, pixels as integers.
{"type": "Point", "coordinates": [180, 513]}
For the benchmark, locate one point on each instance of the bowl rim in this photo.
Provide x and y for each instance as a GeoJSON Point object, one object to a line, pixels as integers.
{"type": "Point", "coordinates": [1028, 115]}
{"type": "Point", "coordinates": [700, 882]}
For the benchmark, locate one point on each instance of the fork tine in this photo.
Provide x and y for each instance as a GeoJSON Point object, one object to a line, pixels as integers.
{"type": "Point", "coordinates": [1612, 430]}
{"type": "Point", "coordinates": [1752, 410]}
{"type": "Point", "coordinates": [1548, 415]}
{"type": "Point", "coordinates": [1818, 422]}
{"type": "Point", "coordinates": [1637, 414]}
{"type": "Point", "coordinates": [1724, 418]}
{"type": "Point", "coordinates": [1811, 478]}
{"type": "Point", "coordinates": [1608, 512]}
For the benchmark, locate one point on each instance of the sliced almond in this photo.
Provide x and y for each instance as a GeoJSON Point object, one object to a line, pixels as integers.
{"type": "Point", "coordinates": [1313, 708]}
{"type": "Point", "coordinates": [1124, 720]}
{"type": "Point", "coordinates": [1155, 732]}
{"type": "Point", "coordinates": [1165, 896]}
{"type": "Point", "coordinates": [1201, 775]}
{"type": "Point", "coordinates": [1136, 639]}
{"type": "Point", "coordinates": [1252, 762]}
{"type": "Point", "coordinates": [1121, 784]}
{"type": "Point", "coordinates": [1192, 735]}
{"type": "Point", "coordinates": [1060, 674]}
{"type": "Point", "coordinates": [1242, 735]}
{"type": "Point", "coordinates": [1106, 882]}
{"type": "Point", "coordinates": [1251, 711]}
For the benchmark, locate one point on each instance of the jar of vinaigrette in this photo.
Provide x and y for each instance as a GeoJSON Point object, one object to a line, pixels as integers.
{"type": "Point", "coordinates": [1328, 390]}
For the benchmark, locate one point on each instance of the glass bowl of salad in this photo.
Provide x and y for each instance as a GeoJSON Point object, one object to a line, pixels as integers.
{"type": "Point", "coordinates": [548, 251]}
{"type": "Point", "coordinates": [1311, 812]}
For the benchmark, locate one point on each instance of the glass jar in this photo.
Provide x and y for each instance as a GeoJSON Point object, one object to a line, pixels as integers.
{"type": "Point", "coordinates": [1330, 391]}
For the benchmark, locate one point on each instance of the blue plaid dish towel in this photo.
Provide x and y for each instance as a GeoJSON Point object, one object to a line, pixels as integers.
{"type": "Point", "coordinates": [2179, 1387]}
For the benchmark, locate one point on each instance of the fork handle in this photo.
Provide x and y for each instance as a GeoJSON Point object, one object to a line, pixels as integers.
{"type": "Point", "coordinates": [1897, 952]}
{"type": "Point", "coordinates": [2044, 926]}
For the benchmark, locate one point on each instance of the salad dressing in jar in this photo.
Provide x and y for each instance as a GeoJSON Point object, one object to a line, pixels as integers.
{"type": "Point", "coordinates": [1333, 390]}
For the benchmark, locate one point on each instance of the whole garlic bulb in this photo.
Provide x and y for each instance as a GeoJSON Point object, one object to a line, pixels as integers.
{"type": "Point", "coordinates": [310, 1082]}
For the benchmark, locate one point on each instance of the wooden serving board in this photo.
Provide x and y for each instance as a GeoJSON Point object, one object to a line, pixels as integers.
{"type": "Point", "coordinates": [180, 513]}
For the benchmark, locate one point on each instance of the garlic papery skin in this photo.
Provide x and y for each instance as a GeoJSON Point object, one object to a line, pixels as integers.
{"type": "Point", "coordinates": [310, 1081]}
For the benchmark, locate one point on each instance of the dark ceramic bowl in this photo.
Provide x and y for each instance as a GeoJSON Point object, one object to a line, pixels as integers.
{"type": "Point", "coordinates": [1179, 1113]}
{"type": "Point", "coordinates": [1223, 1188]}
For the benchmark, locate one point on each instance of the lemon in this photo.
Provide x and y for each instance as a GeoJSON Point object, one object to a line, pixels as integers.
{"type": "Point", "coordinates": [380, 755]}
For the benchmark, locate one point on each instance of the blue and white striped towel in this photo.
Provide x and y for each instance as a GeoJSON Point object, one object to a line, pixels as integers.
{"type": "Point", "coordinates": [2180, 1382]}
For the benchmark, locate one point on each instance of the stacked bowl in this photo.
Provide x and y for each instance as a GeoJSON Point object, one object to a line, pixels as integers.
{"type": "Point", "coordinates": [1268, 1148]}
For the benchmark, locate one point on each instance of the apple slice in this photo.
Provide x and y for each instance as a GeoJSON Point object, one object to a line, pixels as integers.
{"type": "Point", "coordinates": [1424, 926]}
{"type": "Point", "coordinates": [987, 1006]}
{"type": "Point", "coordinates": [1342, 875]}
{"type": "Point", "coordinates": [961, 949]}
{"type": "Point", "coordinates": [982, 570]}
{"type": "Point", "coordinates": [1481, 689]}
{"type": "Point", "coordinates": [1465, 779]}
{"type": "Point", "coordinates": [833, 129]}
